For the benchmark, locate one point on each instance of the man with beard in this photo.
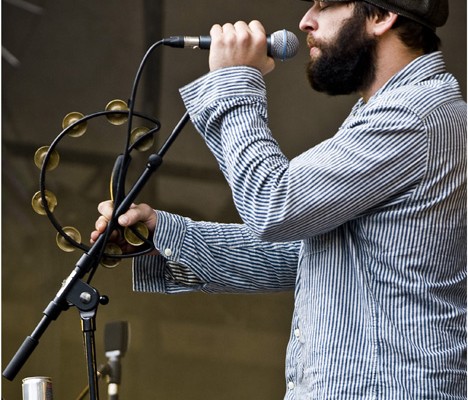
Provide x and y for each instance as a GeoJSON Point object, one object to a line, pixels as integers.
{"type": "Point", "coordinates": [368, 228]}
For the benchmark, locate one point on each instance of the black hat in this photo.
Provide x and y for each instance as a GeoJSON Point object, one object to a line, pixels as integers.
{"type": "Point", "coordinates": [431, 13]}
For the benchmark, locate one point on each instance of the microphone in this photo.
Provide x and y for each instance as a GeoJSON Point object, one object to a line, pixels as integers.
{"type": "Point", "coordinates": [280, 44]}
{"type": "Point", "coordinates": [115, 345]}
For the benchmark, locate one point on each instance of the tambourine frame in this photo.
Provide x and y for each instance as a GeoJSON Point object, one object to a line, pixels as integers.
{"type": "Point", "coordinates": [42, 182]}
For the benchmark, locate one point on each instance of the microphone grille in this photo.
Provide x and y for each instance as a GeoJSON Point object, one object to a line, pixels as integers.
{"type": "Point", "coordinates": [116, 337]}
{"type": "Point", "coordinates": [284, 44]}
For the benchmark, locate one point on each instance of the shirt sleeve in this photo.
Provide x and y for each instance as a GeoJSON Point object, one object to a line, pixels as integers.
{"type": "Point", "coordinates": [373, 161]}
{"type": "Point", "coordinates": [214, 258]}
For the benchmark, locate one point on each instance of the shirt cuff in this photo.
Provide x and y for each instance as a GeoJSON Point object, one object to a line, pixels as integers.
{"type": "Point", "coordinates": [148, 274]}
{"type": "Point", "coordinates": [169, 235]}
{"type": "Point", "coordinates": [150, 271]}
{"type": "Point", "coordinates": [222, 84]}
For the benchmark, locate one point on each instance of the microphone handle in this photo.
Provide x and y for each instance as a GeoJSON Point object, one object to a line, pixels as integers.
{"type": "Point", "coordinates": [199, 42]}
{"type": "Point", "coordinates": [202, 42]}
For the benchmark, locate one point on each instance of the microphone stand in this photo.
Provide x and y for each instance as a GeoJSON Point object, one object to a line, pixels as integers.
{"type": "Point", "coordinates": [80, 294]}
{"type": "Point", "coordinates": [103, 370]}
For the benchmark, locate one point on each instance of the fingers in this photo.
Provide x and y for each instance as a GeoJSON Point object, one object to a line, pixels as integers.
{"type": "Point", "coordinates": [136, 213]}
{"type": "Point", "coordinates": [132, 216]}
{"type": "Point", "coordinates": [105, 208]}
{"type": "Point", "coordinates": [238, 34]}
{"type": "Point", "coordinates": [101, 224]}
{"type": "Point", "coordinates": [240, 44]}
{"type": "Point", "coordinates": [254, 27]}
{"type": "Point", "coordinates": [139, 213]}
{"type": "Point", "coordinates": [257, 27]}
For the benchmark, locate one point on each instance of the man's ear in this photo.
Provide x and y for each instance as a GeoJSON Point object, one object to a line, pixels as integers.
{"type": "Point", "coordinates": [381, 24]}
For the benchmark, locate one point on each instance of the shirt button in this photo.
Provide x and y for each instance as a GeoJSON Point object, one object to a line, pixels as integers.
{"type": "Point", "coordinates": [297, 333]}
{"type": "Point", "coordinates": [168, 252]}
{"type": "Point", "coordinates": [290, 385]}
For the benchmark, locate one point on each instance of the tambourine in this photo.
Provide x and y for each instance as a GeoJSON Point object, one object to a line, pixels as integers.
{"type": "Point", "coordinates": [47, 158]}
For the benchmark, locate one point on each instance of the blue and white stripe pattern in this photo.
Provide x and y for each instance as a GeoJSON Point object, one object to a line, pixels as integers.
{"type": "Point", "coordinates": [368, 228]}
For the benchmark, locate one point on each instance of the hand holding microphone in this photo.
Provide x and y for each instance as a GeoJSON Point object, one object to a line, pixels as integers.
{"type": "Point", "coordinates": [241, 44]}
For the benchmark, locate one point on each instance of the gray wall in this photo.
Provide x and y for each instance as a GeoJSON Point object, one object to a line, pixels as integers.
{"type": "Point", "coordinates": [77, 56]}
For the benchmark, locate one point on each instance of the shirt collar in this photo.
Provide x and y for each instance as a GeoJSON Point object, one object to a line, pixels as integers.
{"type": "Point", "coordinates": [417, 71]}
{"type": "Point", "coordinates": [420, 69]}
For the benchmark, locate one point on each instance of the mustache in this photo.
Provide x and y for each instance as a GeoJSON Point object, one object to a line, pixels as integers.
{"type": "Point", "coordinates": [312, 42]}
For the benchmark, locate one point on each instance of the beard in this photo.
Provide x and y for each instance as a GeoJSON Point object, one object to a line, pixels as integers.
{"type": "Point", "coordinates": [346, 65]}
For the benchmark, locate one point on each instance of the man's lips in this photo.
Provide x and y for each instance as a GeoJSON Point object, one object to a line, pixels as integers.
{"type": "Point", "coordinates": [313, 48]}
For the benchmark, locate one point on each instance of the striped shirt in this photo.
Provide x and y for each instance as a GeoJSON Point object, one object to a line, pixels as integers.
{"type": "Point", "coordinates": [368, 228]}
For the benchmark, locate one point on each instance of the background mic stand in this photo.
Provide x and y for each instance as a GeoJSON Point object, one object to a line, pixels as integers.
{"type": "Point", "coordinates": [83, 296]}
